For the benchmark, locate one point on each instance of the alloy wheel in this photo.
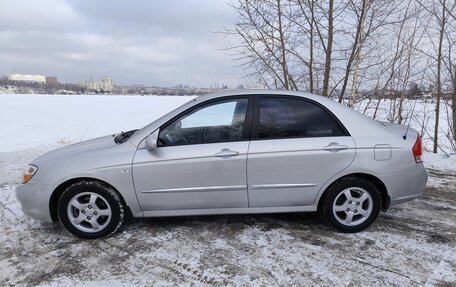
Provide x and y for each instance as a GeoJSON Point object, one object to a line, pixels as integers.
{"type": "Point", "coordinates": [89, 212]}
{"type": "Point", "coordinates": [352, 206]}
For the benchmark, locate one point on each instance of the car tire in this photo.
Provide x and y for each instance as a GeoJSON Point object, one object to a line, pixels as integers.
{"type": "Point", "coordinates": [351, 204]}
{"type": "Point", "coordinates": [91, 209]}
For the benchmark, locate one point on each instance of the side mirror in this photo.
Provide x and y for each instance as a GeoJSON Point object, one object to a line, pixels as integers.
{"type": "Point", "coordinates": [151, 140]}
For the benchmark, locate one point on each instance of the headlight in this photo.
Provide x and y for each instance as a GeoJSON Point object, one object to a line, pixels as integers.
{"type": "Point", "coordinates": [28, 172]}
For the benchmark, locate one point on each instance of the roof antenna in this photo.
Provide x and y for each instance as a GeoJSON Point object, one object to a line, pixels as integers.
{"type": "Point", "coordinates": [411, 117]}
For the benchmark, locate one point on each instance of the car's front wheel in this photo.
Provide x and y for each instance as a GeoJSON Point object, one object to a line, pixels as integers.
{"type": "Point", "coordinates": [90, 209]}
{"type": "Point", "coordinates": [351, 204]}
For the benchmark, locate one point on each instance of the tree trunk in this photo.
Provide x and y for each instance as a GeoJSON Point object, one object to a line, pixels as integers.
{"type": "Point", "coordinates": [367, 106]}
{"type": "Point", "coordinates": [354, 50]}
{"type": "Point", "coordinates": [439, 84]}
{"type": "Point", "coordinates": [311, 48]}
{"type": "Point", "coordinates": [328, 49]}
{"type": "Point", "coordinates": [282, 47]}
{"type": "Point", "coordinates": [453, 106]}
{"type": "Point", "coordinates": [376, 108]}
{"type": "Point", "coordinates": [399, 112]}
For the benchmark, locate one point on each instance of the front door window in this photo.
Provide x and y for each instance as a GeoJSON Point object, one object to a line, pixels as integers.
{"type": "Point", "coordinates": [222, 121]}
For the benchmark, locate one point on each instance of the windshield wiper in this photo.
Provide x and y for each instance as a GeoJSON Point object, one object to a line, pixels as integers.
{"type": "Point", "coordinates": [123, 136]}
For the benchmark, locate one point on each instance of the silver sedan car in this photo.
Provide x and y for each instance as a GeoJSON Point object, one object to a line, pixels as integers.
{"type": "Point", "coordinates": [231, 153]}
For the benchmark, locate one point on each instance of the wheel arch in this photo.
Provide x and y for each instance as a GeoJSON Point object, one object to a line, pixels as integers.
{"type": "Point", "coordinates": [58, 191]}
{"type": "Point", "coordinates": [372, 178]}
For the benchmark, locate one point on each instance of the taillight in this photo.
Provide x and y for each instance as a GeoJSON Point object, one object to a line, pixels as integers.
{"type": "Point", "coordinates": [417, 149]}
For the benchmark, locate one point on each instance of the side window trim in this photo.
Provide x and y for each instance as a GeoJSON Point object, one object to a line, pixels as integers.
{"type": "Point", "coordinates": [256, 117]}
{"type": "Point", "coordinates": [246, 133]}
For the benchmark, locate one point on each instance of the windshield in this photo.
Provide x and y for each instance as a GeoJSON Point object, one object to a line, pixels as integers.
{"type": "Point", "coordinates": [123, 136]}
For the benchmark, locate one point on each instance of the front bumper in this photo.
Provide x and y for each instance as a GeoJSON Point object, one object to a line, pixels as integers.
{"type": "Point", "coordinates": [34, 199]}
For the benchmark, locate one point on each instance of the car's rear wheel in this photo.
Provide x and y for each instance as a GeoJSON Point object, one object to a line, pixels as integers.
{"type": "Point", "coordinates": [351, 204]}
{"type": "Point", "coordinates": [90, 209]}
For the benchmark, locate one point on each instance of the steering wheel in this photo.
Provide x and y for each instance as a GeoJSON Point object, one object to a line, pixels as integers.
{"type": "Point", "coordinates": [174, 137]}
{"type": "Point", "coordinates": [180, 138]}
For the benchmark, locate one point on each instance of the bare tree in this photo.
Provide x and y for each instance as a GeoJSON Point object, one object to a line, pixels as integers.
{"type": "Point", "coordinates": [360, 11]}
{"type": "Point", "coordinates": [450, 65]}
{"type": "Point", "coordinates": [262, 49]}
{"type": "Point", "coordinates": [438, 12]}
{"type": "Point", "coordinates": [371, 18]}
{"type": "Point", "coordinates": [411, 42]}
{"type": "Point", "coordinates": [373, 48]}
{"type": "Point", "coordinates": [441, 22]}
{"type": "Point", "coordinates": [283, 44]}
{"type": "Point", "coordinates": [305, 20]}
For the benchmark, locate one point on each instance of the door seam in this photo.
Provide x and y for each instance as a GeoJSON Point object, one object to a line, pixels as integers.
{"type": "Point", "coordinates": [247, 174]}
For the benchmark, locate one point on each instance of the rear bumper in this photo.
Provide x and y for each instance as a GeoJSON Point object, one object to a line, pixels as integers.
{"type": "Point", "coordinates": [406, 185]}
{"type": "Point", "coordinates": [34, 199]}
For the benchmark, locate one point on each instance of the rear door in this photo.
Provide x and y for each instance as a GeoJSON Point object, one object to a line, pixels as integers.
{"type": "Point", "coordinates": [297, 145]}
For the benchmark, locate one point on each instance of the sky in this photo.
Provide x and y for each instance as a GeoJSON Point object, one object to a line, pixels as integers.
{"type": "Point", "coordinates": [162, 43]}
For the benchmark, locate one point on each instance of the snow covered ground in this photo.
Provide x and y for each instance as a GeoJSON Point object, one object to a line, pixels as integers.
{"type": "Point", "coordinates": [412, 244]}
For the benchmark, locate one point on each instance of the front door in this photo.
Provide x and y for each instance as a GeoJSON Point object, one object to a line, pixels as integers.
{"type": "Point", "coordinates": [200, 161]}
{"type": "Point", "coordinates": [297, 147]}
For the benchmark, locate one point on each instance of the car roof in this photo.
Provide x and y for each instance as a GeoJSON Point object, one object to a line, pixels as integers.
{"type": "Point", "coordinates": [329, 103]}
{"type": "Point", "coordinates": [254, 92]}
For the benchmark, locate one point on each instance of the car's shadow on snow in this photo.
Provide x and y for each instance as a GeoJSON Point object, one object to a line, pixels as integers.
{"type": "Point", "coordinates": [237, 222]}
{"type": "Point", "coordinates": [305, 227]}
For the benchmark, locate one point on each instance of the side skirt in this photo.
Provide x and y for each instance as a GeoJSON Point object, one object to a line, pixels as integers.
{"type": "Point", "coordinates": [218, 211]}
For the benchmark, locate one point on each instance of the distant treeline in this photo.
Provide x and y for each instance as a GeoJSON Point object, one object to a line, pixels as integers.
{"type": "Point", "coordinates": [20, 87]}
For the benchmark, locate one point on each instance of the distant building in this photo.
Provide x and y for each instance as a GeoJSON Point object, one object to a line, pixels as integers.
{"type": "Point", "coordinates": [27, 78]}
{"type": "Point", "coordinates": [51, 80]}
{"type": "Point", "coordinates": [104, 84]}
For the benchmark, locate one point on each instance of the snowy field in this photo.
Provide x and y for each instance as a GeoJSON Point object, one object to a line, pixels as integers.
{"type": "Point", "coordinates": [412, 244]}
{"type": "Point", "coordinates": [30, 121]}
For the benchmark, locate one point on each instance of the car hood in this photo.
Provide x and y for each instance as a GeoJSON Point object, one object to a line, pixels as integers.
{"type": "Point", "coordinates": [89, 145]}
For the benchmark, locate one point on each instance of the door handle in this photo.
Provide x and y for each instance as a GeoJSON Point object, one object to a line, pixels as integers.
{"type": "Point", "coordinates": [226, 153]}
{"type": "Point", "coordinates": [335, 147]}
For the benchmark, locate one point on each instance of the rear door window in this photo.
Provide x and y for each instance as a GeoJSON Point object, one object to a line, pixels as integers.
{"type": "Point", "coordinates": [291, 117]}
